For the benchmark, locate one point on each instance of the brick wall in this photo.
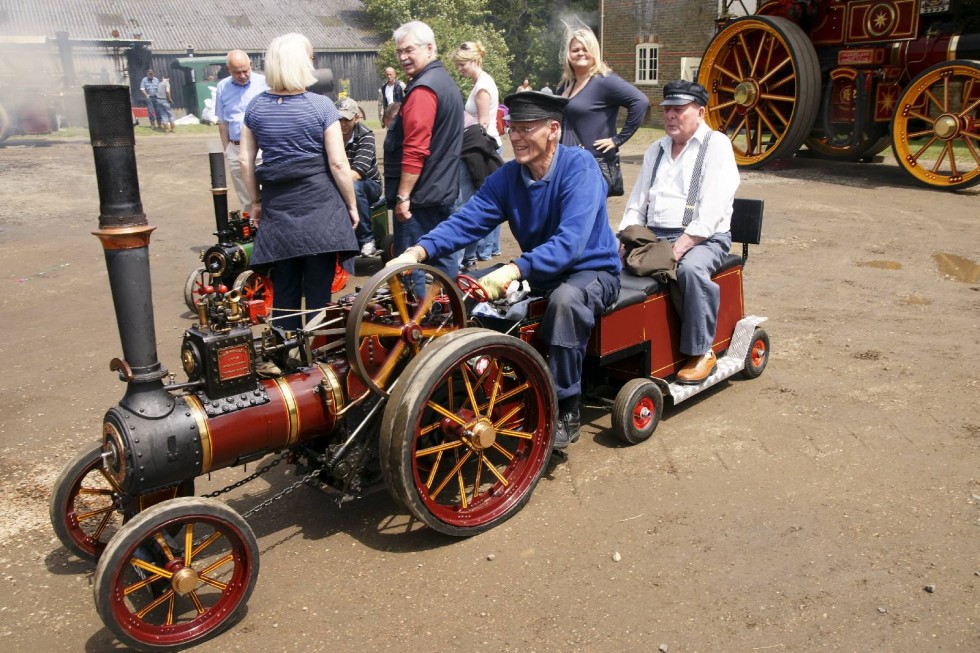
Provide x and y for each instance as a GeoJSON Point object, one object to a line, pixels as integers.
{"type": "Point", "coordinates": [682, 28]}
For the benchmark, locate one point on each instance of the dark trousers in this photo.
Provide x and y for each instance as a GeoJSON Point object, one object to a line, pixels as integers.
{"type": "Point", "coordinates": [367, 192]}
{"type": "Point", "coordinates": [568, 321]}
{"type": "Point", "coordinates": [296, 278]}
{"type": "Point", "coordinates": [424, 220]}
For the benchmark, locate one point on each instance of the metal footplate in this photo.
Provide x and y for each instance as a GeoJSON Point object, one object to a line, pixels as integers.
{"type": "Point", "coordinates": [730, 364]}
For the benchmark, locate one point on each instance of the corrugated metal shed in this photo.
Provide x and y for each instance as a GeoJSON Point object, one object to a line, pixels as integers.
{"type": "Point", "coordinates": [208, 26]}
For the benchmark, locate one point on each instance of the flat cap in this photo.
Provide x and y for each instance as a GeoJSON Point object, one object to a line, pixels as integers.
{"type": "Point", "coordinates": [348, 108]}
{"type": "Point", "coordinates": [534, 105]}
{"type": "Point", "coordinates": [681, 92]}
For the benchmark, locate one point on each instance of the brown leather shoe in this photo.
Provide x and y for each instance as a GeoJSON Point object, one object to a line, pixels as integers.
{"type": "Point", "coordinates": [698, 368]}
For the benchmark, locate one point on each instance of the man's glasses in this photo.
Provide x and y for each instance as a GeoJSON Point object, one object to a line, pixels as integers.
{"type": "Point", "coordinates": [523, 130]}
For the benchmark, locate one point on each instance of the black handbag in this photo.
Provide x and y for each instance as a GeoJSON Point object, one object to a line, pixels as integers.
{"type": "Point", "coordinates": [613, 174]}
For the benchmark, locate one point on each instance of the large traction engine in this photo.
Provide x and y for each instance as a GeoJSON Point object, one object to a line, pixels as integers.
{"type": "Point", "coordinates": [849, 77]}
{"type": "Point", "coordinates": [384, 388]}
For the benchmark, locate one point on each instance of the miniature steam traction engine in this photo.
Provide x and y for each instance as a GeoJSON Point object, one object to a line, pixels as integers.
{"type": "Point", "coordinates": [849, 77]}
{"type": "Point", "coordinates": [392, 386]}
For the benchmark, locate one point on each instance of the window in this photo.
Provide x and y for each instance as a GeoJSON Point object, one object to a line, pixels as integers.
{"type": "Point", "coordinates": [647, 63]}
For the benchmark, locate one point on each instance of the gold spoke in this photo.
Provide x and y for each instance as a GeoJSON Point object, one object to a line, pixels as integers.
{"type": "Point", "coordinates": [111, 481]}
{"type": "Point", "coordinates": [934, 100]}
{"type": "Point", "coordinates": [445, 413]}
{"type": "Point", "coordinates": [925, 119]}
{"type": "Point", "coordinates": [738, 58]}
{"type": "Point", "coordinates": [389, 365]}
{"type": "Point", "coordinates": [435, 332]}
{"type": "Point", "coordinates": [915, 157]}
{"type": "Point", "coordinates": [516, 434]}
{"type": "Point", "coordinates": [188, 545]}
{"type": "Point", "coordinates": [783, 119]}
{"type": "Point", "coordinates": [479, 472]}
{"type": "Point", "coordinates": [506, 454]}
{"type": "Point", "coordinates": [168, 595]}
{"type": "Point", "coordinates": [777, 98]}
{"type": "Point", "coordinates": [170, 609]}
{"type": "Point", "coordinates": [197, 602]}
{"type": "Point", "coordinates": [462, 491]}
{"type": "Point", "coordinates": [972, 148]}
{"type": "Point", "coordinates": [152, 568]}
{"type": "Point", "coordinates": [450, 475]}
{"type": "Point", "coordinates": [205, 544]}
{"type": "Point", "coordinates": [101, 492]}
{"type": "Point", "coordinates": [775, 69]}
{"type": "Point", "coordinates": [506, 418]}
{"type": "Point", "coordinates": [369, 329]}
{"type": "Point", "coordinates": [84, 516]}
{"type": "Point", "coordinates": [212, 582]}
{"type": "Point", "coordinates": [431, 293]}
{"type": "Point", "coordinates": [728, 122]}
{"type": "Point", "coordinates": [758, 53]}
{"type": "Point", "coordinates": [514, 391]}
{"type": "Point", "coordinates": [439, 448]}
{"type": "Point", "coordinates": [946, 95]}
{"type": "Point", "coordinates": [924, 132]}
{"type": "Point", "coordinates": [718, 66]}
{"type": "Point", "coordinates": [429, 429]}
{"type": "Point", "coordinates": [129, 589]}
{"type": "Point", "coordinates": [493, 393]}
{"type": "Point", "coordinates": [469, 390]}
{"type": "Point", "coordinates": [162, 543]}
{"type": "Point", "coordinates": [762, 118]}
{"type": "Point", "coordinates": [432, 472]}
{"type": "Point", "coordinates": [225, 559]}
{"type": "Point", "coordinates": [942, 155]}
{"type": "Point", "coordinates": [102, 526]}
{"type": "Point", "coordinates": [398, 296]}
{"type": "Point", "coordinates": [500, 477]}
{"type": "Point", "coordinates": [723, 105]}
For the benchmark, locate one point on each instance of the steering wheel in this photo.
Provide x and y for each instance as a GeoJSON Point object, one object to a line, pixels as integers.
{"type": "Point", "coordinates": [472, 288]}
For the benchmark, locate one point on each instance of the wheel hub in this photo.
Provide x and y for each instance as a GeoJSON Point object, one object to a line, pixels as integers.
{"type": "Point", "coordinates": [483, 434]}
{"type": "Point", "coordinates": [185, 581]}
{"type": "Point", "coordinates": [412, 334]}
{"type": "Point", "coordinates": [946, 126]}
{"type": "Point", "coordinates": [746, 93]}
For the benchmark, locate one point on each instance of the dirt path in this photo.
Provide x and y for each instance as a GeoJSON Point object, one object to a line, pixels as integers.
{"type": "Point", "coordinates": [803, 511]}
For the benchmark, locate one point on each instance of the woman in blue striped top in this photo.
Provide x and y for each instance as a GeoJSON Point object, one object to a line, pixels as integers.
{"type": "Point", "coordinates": [306, 211]}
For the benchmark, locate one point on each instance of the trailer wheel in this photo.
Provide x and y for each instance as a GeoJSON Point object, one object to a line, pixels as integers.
{"type": "Point", "coordinates": [757, 356]}
{"type": "Point", "coordinates": [86, 505]}
{"type": "Point", "coordinates": [763, 80]}
{"type": "Point", "coordinates": [178, 573]}
{"type": "Point", "coordinates": [468, 431]}
{"type": "Point", "coordinates": [637, 410]}
{"type": "Point", "coordinates": [195, 285]}
{"type": "Point", "coordinates": [936, 126]}
{"type": "Point", "coordinates": [399, 311]}
{"type": "Point", "coordinates": [253, 286]}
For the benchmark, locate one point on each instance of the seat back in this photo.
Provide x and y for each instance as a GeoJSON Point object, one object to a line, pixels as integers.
{"type": "Point", "coordinates": [747, 223]}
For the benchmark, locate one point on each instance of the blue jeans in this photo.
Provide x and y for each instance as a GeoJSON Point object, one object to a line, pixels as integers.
{"type": "Point", "coordinates": [367, 192]}
{"type": "Point", "coordinates": [295, 278]}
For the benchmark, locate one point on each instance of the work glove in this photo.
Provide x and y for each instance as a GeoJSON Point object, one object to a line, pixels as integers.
{"type": "Point", "coordinates": [497, 281]}
{"type": "Point", "coordinates": [410, 255]}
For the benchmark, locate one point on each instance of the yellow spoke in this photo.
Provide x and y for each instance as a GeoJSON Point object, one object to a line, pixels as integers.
{"type": "Point", "coordinates": [462, 491]}
{"type": "Point", "coordinates": [758, 53]}
{"type": "Point", "coordinates": [197, 602]}
{"type": "Point", "coordinates": [205, 544]}
{"type": "Point", "coordinates": [514, 391]}
{"type": "Point", "coordinates": [775, 69]}
{"type": "Point", "coordinates": [762, 118]}
{"type": "Point", "coordinates": [220, 562]}
{"type": "Point", "coordinates": [111, 481]}
{"type": "Point", "coordinates": [723, 105]}
{"type": "Point", "coordinates": [435, 332]}
{"type": "Point", "coordinates": [188, 545]}
{"type": "Point", "coordinates": [973, 148]}
{"type": "Point", "coordinates": [493, 393]}
{"type": "Point", "coordinates": [152, 568]}
{"type": "Point", "coordinates": [969, 109]}
{"type": "Point", "coordinates": [932, 98]}
{"type": "Point", "coordinates": [162, 543]}
{"type": "Point", "coordinates": [369, 329]}
{"type": "Point", "coordinates": [431, 293]}
{"type": "Point", "coordinates": [506, 454]}
{"type": "Point", "coordinates": [398, 296]}
{"type": "Point", "coordinates": [445, 412]}
{"type": "Point", "coordinates": [728, 122]}
{"type": "Point", "coordinates": [170, 609]}
{"type": "Point", "coordinates": [469, 390]}
{"type": "Point", "coordinates": [500, 477]}
{"type": "Point", "coordinates": [429, 429]}
{"type": "Point", "coordinates": [738, 58]}
{"type": "Point", "coordinates": [445, 446]}
{"type": "Point", "coordinates": [84, 516]}
{"type": "Point", "coordinates": [102, 526]}
{"type": "Point", "coordinates": [167, 596]}
{"type": "Point", "coordinates": [924, 132]}
{"type": "Point", "coordinates": [946, 95]}
{"type": "Point", "coordinates": [942, 155]}
{"type": "Point", "coordinates": [212, 582]}
{"type": "Point", "coordinates": [389, 365]}
{"type": "Point", "coordinates": [719, 67]}
{"type": "Point", "coordinates": [783, 119]}
{"type": "Point", "coordinates": [925, 147]}
{"type": "Point", "coordinates": [516, 434]}
{"type": "Point", "coordinates": [101, 492]}
{"type": "Point", "coordinates": [479, 473]}
{"type": "Point", "coordinates": [432, 472]}
{"type": "Point", "coordinates": [129, 589]}
{"type": "Point", "coordinates": [506, 418]}
{"type": "Point", "coordinates": [450, 475]}
{"type": "Point", "coordinates": [777, 98]}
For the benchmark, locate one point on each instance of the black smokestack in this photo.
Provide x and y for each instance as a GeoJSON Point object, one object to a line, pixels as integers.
{"type": "Point", "coordinates": [125, 237]}
{"type": "Point", "coordinates": [219, 193]}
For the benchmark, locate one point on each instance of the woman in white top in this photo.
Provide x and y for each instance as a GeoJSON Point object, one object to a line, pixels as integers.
{"type": "Point", "coordinates": [484, 98]}
{"type": "Point", "coordinates": [482, 105]}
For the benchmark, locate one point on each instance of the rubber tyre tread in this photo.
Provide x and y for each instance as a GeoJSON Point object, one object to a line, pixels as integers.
{"type": "Point", "coordinates": [395, 437]}
{"type": "Point", "coordinates": [622, 412]}
{"type": "Point", "coordinates": [751, 370]}
{"type": "Point", "coordinates": [116, 554]}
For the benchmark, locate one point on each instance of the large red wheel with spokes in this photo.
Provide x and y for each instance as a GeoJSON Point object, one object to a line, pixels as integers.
{"type": "Point", "coordinates": [255, 287]}
{"type": "Point", "coordinates": [178, 573]}
{"type": "Point", "coordinates": [763, 80]}
{"type": "Point", "coordinates": [936, 126]}
{"type": "Point", "coordinates": [86, 505]}
{"type": "Point", "coordinates": [468, 430]}
{"type": "Point", "coordinates": [399, 311]}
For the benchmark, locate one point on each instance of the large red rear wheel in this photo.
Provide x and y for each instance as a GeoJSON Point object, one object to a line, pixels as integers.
{"type": "Point", "coordinates": [468, 431]}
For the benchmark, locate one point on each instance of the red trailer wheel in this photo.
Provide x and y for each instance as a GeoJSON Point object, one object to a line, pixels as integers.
{"type": "Point", "coordinates": [637, 410]}
{"type": "Point", "coordinates": [176, 574]}
{"type": "Point", "coordinates": [936, 127]}
{"type": "Point", "coordinates": [468, 431]}
{"type": "Point", "coordinates": [195, 286]}
{"type": "Point", "coordinates": [86, 505]}
{"type": "Point", "coordinates": [757, 357]}
{"type": "Point", "coordinates": [763, 80]}
{"type": "Point", "coordinates": [391, 320]}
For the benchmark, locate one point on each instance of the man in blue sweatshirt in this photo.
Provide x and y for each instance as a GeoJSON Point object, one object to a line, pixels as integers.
{"type": "Point", "coordinates": [554, 199]}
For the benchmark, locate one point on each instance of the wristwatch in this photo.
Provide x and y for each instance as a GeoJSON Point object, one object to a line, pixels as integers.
{"type": "Point", "coordinates": [402, 198]}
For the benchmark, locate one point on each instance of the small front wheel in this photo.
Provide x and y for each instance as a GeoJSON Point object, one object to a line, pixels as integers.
{"type": "Point", "coordinates": [637, 410]}
{"type": "Point", "coordinates": [758, 355]}
{"type": "Point", "coordinates": [199, 283]}
{"type": "Point", "coordinates": [176, 574]}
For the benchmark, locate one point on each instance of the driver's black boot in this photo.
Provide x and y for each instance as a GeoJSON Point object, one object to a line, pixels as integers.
{"type": "Point", "coordinates": [569, 423]}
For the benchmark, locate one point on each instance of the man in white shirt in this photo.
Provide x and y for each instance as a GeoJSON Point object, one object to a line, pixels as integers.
{"type": "Point", "coordinates": [233, 95]}
{"type": "Point", "coordinates": [693, 211]}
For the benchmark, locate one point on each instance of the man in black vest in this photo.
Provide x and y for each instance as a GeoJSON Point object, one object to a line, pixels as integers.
{"type": "Point", "coordinates": [423, 144]}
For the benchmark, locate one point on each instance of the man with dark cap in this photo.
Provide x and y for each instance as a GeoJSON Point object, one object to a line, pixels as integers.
{"type": "Point", "coordinates": [554, 199]}
{"type": "Point", "coordinates": [684, 193]}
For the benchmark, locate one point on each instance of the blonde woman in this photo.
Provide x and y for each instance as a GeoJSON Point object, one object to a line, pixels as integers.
{"type": "Point", "coordinates": [484, 98]}
{"type": "Point", "coordinates": [595, 96]}
{"type": "Point", "coordinates": [306, 211]}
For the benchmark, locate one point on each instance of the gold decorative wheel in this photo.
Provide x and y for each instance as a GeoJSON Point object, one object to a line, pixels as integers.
{"type": "Point", "coordinates": [763, 80]}
{"type": "Point", "coordinates": [936, 128]}
{"type": "Point", "coordinates": [399, 311]}
{"type": "Point", "coordinates": [468, 430]}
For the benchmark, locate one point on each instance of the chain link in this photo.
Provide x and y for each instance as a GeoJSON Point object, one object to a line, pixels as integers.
{"type": "Point", "coordinates": [268, 502]}
{"type": "Point", "coordinates": [259, 472]}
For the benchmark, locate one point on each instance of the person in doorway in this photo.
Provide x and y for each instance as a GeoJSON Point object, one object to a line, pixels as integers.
{"type": "Point", "coordinates": [390, 92]}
